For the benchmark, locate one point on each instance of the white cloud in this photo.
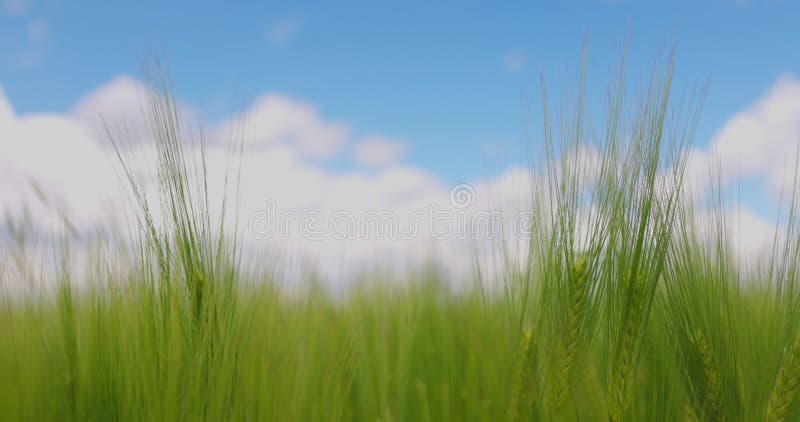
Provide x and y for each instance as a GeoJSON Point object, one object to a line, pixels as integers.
{"type": "Point", "coordinates": [61, 153]}
{"type": "Point", "coordinates": [757, 145]}
{"type": "Point", "coordinates": [278, 119]}
{"type": "Point", "coordinates": [514, 61]}
{"type": "Point", "coordinates": [283, 31]}
{"type": "Point", "coordinates": [762, 141]}
{"type": "Point", "coordinates": [750, 236]}
{"type": "Point", "coordinates": [119, 108]}
{"type": "Point", "coordinates": [15, 7]}
{"type": "Point", "coordinates": [6, 109]}
{"type": "Point", "coordinates": [378, 150]}
{"type": "Point", "coordinates": [55, 154]}
{"type": "Point", "coordinates": [750, 233]}
{"type": "Point", "coordinates": [123, 99]}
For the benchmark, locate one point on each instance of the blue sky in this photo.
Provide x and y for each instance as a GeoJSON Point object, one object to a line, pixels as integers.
{"type": "Point", "coordinates": [438, 76]}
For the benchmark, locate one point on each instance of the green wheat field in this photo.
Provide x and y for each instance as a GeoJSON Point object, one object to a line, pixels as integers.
{"type": "Point", "coordinates": [649, 317]}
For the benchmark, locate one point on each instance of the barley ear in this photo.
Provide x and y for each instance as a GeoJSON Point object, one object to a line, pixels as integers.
{"type": "Point", "coordinates": [619, 389]}
{"type": "Point", "coordinates": [520, 395]}
{"type": "Point", "coordinates": [786, 383]}
{"type": "Point", "coordinates": [713, 396]}
{"type": "Point", "coordinates": [578, 278]}
{"type": "Point", "coordinates": [691, 414]}
{"type": "Point", "coordinates": [577, 291]}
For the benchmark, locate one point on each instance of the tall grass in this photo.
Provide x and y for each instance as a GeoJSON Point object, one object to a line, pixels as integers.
{"type": "Point", "coordinates": [626, 308]}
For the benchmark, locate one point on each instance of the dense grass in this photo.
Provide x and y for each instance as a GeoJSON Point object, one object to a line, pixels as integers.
{"type": "Point", "coordinates": [645, 315]}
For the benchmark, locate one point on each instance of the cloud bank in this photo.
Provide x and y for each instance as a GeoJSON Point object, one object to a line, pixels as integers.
{"type": "Point", "coordinates": [57, 166]}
